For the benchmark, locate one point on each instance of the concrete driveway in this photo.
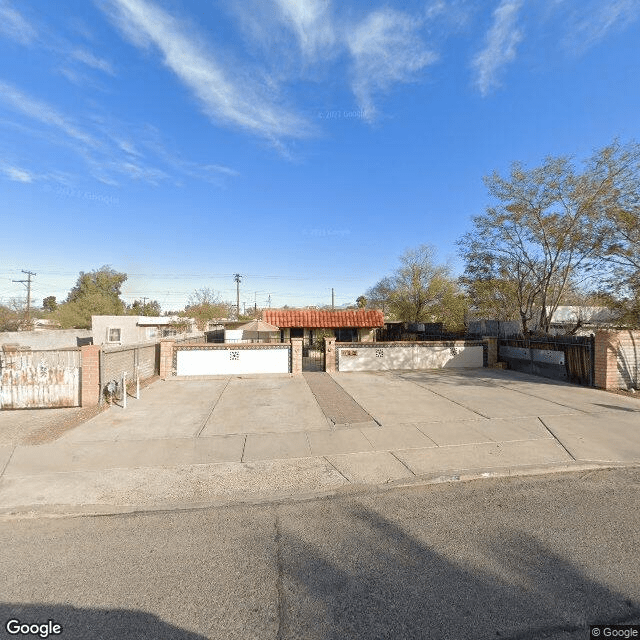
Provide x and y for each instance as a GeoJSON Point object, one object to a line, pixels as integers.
{"type": "Point", "coordinates": [233, 437]}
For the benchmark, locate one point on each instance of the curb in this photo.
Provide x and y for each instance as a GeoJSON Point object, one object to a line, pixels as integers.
{"type": "Point", "coordinates": [351, 490]}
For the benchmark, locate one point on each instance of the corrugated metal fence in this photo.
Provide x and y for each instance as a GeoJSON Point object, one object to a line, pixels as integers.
{"type": "Point", "coordinates": [32, 379]}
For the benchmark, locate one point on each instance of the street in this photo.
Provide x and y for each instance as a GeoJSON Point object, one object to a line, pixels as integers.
{"type": "Point", "coordinates": [523, 557]}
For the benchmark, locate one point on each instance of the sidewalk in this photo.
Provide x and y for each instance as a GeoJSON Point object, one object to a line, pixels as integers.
{"type": "Point", "coordinates": [193, 442]}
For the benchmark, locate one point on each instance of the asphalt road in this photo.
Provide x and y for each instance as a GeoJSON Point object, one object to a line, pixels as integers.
{"type": "Point", "coordinates": [527, 557]}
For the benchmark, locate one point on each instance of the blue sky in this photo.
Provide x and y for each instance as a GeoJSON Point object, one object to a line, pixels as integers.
{"type": "Point", "coordinates": [304, 144]}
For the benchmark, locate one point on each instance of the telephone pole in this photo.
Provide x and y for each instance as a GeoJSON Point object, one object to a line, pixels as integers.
{"type": "Point", "coordinates": [28, 283]}
{"type": "Point", "coordinates": [237, 277]}
{"type": "Point", "coordinates": [333, 299]}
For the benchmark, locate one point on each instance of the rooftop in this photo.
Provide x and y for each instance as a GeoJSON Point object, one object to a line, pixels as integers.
{"type": "Point", "coordinates": [284, 318]}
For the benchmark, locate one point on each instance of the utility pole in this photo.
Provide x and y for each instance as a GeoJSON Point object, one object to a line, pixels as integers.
{"type": "Point", "coordinates": [269, 301]}
{"type": "Point", "coordinates": [237, 277]}
{"type": "Point", "coordinates": [333, 299]}
{"type": "Point", "coordinates": [28, 283]}
{"type": "Point", "coordinates": [255, 303]}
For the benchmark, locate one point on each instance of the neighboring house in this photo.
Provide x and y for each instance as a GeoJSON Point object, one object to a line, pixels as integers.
{"type": "Point", "coordinates": [346, 326]}
{"type": "Point", "coordinates": [586, 319]}
{"type": "Point", "coordinates": [135, 329]}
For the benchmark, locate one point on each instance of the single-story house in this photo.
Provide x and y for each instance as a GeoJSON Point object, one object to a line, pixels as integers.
{"type": "Point", "coordinates": [346, 326]}
{"type": "Point", "coordinates": [135, 329]}
{"type": "Point", "coordinates": [584, 320]}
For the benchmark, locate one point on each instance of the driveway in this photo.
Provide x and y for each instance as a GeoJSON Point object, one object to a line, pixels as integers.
{"type": "Point", "coordinates": [234, 437]}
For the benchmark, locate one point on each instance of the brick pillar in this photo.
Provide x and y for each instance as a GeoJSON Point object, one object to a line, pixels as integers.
{"type": "Point", "coordinates": [606, 360]}
{"type": "Point", "coordinates": [330, 355]}
{"type": "Point", "coordinates": [296, 356]}
{"type": "Point", "coordinates": [492, 350]}
{"type": "Point", "coordinates": [166, 357]}
{"type": "Point", "coordinates": [90, 375]}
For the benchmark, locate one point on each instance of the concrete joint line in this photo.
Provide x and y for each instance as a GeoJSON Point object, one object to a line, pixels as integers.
{"type": "Point", "coordinates": [336, 468]}
{"type": "Point", "coordinates": [215, 404]}
{"type": "Point", "coordinates": [403, 464]}
{"type": "Point", "coordinates": [367, 439]}
{"type": "Point", "coordinates": [8, 460]}
{"type": "Point", "coordinates": [281, 631]}
{"type": "Point", "coordinates": [556, 439]}
{"type": "Point", "coordinates": [464, 406]}
{"type": "Point", "coordinates": [533, 395]}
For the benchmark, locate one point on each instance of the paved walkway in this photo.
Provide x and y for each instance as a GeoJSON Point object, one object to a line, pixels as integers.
{"type": "Point", "coordinates": [336, 404]}
{"type": "Point", "coordinates": [238, 438]}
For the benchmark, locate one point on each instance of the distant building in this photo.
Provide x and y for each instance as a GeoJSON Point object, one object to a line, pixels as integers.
{"type": "Point", "coordinates": [116, 330]}
{"type": "Point", "coordinates": [587, 319]}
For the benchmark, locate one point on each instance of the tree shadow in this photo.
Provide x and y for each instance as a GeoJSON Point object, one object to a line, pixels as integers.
{"type": "Point", "coordinates": [83, 623]}
{"type": "Point", "coordinates": [617, 407]}
{"type": "Point", "coordinates": [381, 582]}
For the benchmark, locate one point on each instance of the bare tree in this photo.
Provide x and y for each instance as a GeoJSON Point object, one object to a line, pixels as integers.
{"type": "Point", "coordinates": [420, 290]}
{"type": "Point", "coordinates": [550, 224]}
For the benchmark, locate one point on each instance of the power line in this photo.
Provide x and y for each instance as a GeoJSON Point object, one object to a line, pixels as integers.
{"type": "Point", "coordinates": [28, 283]}
{"type": "Point", "coordinates": [237, 277]}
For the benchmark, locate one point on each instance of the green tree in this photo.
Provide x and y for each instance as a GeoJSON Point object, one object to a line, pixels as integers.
{"type": "Point", "coordinates": [361, 301]}
{"type": "Point", "coordinates": [492, 299]}
{"type": "Point", "coordinates": [12, 317]}
{"type": "Point", "coordinates": [622, 247]}
{"type": "Point", "coordinates": [204, 305]}
{"type": "Point", "coordinates": [141, 308]}
{"type": "Point", "coordinates": [549, 224]}
{"type": "Point", "coordinates": [95, 293]}
{"type": "Point", "coordinates": [421, 291]}
{"type": "Point", "coordinates": [49, 304]}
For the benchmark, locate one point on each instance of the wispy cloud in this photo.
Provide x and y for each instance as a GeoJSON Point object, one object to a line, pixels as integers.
{"type": "Point", "coordinates": [14, 25]}
{"type": "Point", "coordinates": [17, 174]}
{"type": "Point", "coordinates": [240, 101]}
{"type": "Point", "coordinates": [500, 48]}
{"type": "Point", "coordinates": [597, 20]}
{"type": "Point", "coordinates": [42, 112]}
{"type": "Point", "coordinates": [386, 49]}
{"type": "Point", "coordinates": [311, 22]}
{"type": "Point", "coordinates": [88, 58]}
{"type": "Point", "coordinates": [107, 147]}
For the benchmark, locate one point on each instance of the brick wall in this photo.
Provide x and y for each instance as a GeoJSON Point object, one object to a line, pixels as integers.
{"type": "Point", "coordinates": [90, 376]}
{"type": "Point", "coordinates": [166, 358]}
{"type": "Point", "coordinates": [296, 356]}
{"type": "Point", "coordinates": [330, 355]}
{"type": "Point", "coordinates": [617, 359]}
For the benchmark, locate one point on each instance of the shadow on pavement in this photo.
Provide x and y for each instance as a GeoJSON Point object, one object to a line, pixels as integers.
{"type": "Point", "coordinates": [380, 582]}
{"type": "Point", "coordinates": [617, 407]}
{"type": "Point", "coordinates": [84, 624]}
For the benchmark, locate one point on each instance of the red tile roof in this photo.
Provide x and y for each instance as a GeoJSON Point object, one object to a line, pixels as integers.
{"type": "Point", "coordinates": [329, 319]}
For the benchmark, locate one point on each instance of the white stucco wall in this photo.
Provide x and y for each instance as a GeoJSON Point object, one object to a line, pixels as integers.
{"type": "Point", "coordinates": [385, 358]}
{"type": "Point", "coordinates": [193, 362]}
{"type": "Point", "coordinates": [45, 338]}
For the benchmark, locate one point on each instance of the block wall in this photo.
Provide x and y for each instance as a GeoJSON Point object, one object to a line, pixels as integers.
{"type": "Point", "coordinates": [617, 359]}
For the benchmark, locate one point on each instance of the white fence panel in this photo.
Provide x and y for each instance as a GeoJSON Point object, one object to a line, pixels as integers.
{"type": "Point", "coordinates": [194, 362]}
{"type": "Point", "coordinates": [389, 358]}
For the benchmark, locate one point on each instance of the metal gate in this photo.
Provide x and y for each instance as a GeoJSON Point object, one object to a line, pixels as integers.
{"type": "Point", "coordinates": [39, 379]}
{"type": "Point", "coordinates": [569, 358]}
{"type": "Point", "coordinates": [313, 357]}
